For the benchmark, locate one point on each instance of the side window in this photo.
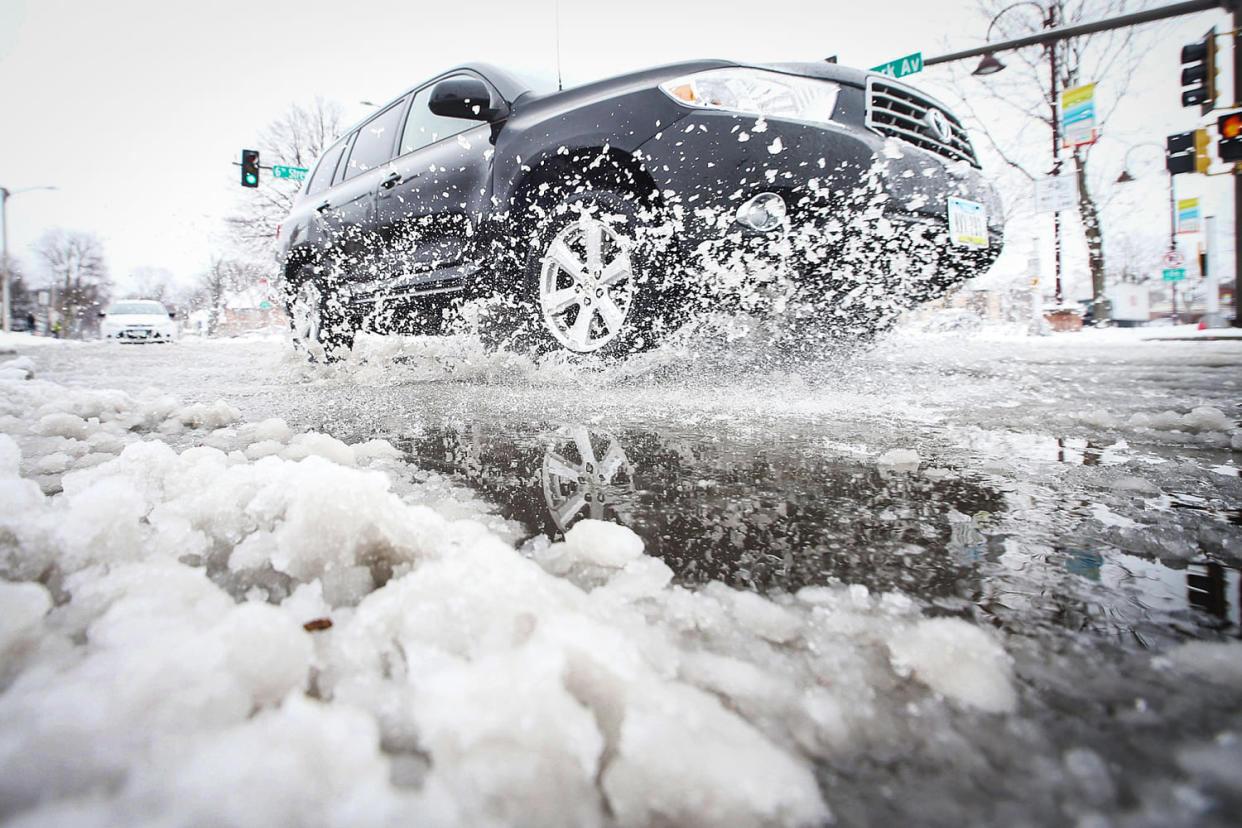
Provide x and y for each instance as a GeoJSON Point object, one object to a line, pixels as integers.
{"type": "Point", "coordinates": [373, 146]}
{"type": "Point", "coordinates": [424, 127]}
{"type": "Point", "coordinates": [322, 177]}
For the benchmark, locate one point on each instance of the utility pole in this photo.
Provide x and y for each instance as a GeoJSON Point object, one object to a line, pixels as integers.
{"type": "Point", "coordinates": [1051, 23]}
{"type": "Point", "coordinates": [4, 255]}
{"type": "Point", "coordinates": [1237, 172]}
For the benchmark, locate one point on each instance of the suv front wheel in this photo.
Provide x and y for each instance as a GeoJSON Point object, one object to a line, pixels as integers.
{"type": "Point", "coordinates": [589, 276]}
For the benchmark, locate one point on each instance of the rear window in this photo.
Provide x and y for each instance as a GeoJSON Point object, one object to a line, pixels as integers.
{"type": "Point", "coordinates": [322, 177]}
{"type": "Point", "coordinates": [374, 144]}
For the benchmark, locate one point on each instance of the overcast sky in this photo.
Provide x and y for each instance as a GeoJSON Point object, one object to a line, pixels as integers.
{"type": "Point", "coordinates": [136, 109]}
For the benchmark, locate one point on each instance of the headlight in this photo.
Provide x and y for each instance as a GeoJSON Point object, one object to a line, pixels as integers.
{"type": "Point", "coordinates": [756, 92]}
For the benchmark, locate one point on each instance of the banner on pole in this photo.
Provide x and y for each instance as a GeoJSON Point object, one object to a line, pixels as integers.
{"type": "Point", "coordinates": [1188, 220]}
{"type": "Point", "coordinates": [1078, 116]}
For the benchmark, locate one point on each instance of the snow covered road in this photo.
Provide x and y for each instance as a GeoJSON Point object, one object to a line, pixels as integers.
{"type": "Point", "coordinates": [957, 579]}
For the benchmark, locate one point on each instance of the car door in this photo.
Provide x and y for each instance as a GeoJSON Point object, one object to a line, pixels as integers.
{"type": "Point", "coordinates": [313, 208]}
{"type": "Point", "coordinates": [348, 209]}
{"type": "Point", "coordinates": [428, 200]}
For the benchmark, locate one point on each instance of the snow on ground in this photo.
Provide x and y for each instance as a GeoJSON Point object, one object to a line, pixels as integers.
{"type": "Point", "coordinates": [209, 616]}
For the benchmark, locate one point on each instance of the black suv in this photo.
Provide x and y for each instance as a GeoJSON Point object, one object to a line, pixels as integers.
{"type": "Point", "coordinates": [593, 218]}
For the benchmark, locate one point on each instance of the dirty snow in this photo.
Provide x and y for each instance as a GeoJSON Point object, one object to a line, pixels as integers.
{"type": "Point", "coordinates": [215, 607]}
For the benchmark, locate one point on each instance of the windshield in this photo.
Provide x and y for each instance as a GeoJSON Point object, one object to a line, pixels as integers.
{"type": "Point", "coordinates": [136, 307]}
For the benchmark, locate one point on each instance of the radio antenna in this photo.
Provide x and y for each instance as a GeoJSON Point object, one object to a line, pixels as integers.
{"type": "Point", "coordinates": [560, 87]}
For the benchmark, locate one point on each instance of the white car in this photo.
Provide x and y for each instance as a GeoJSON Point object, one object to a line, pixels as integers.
{"type": "Point", "coordinates": [138, 320]}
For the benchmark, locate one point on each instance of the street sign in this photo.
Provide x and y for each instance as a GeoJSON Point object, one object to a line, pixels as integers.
{"type": "Point", "coordinates": [901, 67]}
{"type": "Point", "coordinates": [1078, 116]}
{"type": "Point", "coordinates": [1188, 215]}
{"type": "Point", "coordinates": [1175, 274]}
{"type": "Point", "coordinates": [1056, 193]}
{"type": "Point", "coordinates": [295, 173]}
{"type": "Point", "coordinates": [1173, 259]}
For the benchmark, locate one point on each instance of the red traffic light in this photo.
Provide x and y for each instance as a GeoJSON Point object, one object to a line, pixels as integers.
{"type": "Point", "coordinates": [1229, 147]}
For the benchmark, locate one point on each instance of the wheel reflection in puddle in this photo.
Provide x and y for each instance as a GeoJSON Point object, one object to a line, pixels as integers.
{"type": "Point", "coordinates": [585, 474]}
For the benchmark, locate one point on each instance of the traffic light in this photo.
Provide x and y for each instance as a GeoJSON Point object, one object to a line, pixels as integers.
{"type": "Point", "coordinates": [250, 168]}
{"type": "Point", "coordinates": [1230, 145]}
{"type": "Point", "coordinates": [1180, 155]}
{"type": "Point", "coordinates": [1202, 159]}
{"type": "Point", "coordinates": [1199, 73]}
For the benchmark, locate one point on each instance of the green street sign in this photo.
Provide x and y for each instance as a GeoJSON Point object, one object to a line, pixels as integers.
{"type": "Point", "coordinates": [296, 173]}
{"type": "Point", "coordinates": [1175, 274]}
{"type": "Point", "coordinates": [901, 67]}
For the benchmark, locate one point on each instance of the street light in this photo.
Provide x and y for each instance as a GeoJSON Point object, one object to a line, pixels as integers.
{"type": "Point", "coordinates": [5, 193]}
{"type": "Point", "coordinates": [1126, 178]}
{"type": "Point", "coordinates": [989, 65]}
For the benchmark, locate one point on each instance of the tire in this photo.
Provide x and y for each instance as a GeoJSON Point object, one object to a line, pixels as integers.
{"type": "Point", "coordinates": [588, 283]}
{"type": "Point", "coordinates": [319, 324]}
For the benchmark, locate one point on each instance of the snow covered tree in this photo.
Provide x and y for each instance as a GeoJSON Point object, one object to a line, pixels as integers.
{"type": "Point", "coordinates": [222, 277]}
{"type": "Point", "coordinates": [81, 285]}
{"type": "Point", "coordinates": [1023, 139]}
{"type": "Point", "coordinates": [295, 139]}
{"type": "Point", "coordinates": [152, 283]}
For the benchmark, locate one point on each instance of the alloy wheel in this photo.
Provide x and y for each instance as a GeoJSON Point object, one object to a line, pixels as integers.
{"type": "Point", "coordinates": [586, 285]}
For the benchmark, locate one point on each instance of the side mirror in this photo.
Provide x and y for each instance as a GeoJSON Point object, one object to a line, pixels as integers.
{"type": "Point", "coordinates": [464, 98]}
{"type": "Point", "coordinates": [172, 314]}
{"type": "Point", "coordinates": [102, 314]}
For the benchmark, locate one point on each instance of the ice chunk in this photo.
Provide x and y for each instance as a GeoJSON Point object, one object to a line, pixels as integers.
{"type": "Point", "coordinates": [10, 457]}
{"type": "Point", "coordinates": [1206, 418]}
{"type": "Point", "coordinates": [1220, 662]}
{"type": "Point", "coordinates": [312, 443]}
{"type": "Point", "coordinates": [683, 759]}
{"type": "Point", "coordinates": [62, 425]}
{"type": "Point", "coordinates": [602, 543]}
{"type": "Point", "coordinates": [22, 607]}
{"type": "Point", "coordinates": [958, 660]}
{"type": "Point", "coordinates": [1138, 485]}
{"type": "Point", "coordinates": [899, 459]}
{"type": "Point", "coordinates": [200, 416]}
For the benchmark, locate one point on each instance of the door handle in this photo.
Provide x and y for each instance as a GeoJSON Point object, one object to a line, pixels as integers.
{"type": "Point", "coordinates": [391, 181]}
{"type": "Point", "coordinates": [323, 207]}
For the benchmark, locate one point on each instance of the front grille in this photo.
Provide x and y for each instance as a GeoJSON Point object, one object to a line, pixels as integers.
{"type": "Point", "coordinates": [900, 112]}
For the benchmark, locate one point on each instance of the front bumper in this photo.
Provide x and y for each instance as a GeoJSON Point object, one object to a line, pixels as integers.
{"type": "Point", "coordinates": [139, 334]}
{"type": "Point", "coordinates": [834, 177]}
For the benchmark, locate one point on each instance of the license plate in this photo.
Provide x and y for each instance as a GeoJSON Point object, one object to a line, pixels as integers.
{"type": "Point", "coordinates": [968, 223]}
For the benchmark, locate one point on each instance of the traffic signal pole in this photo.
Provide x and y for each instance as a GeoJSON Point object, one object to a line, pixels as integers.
{"type": "Point", "coordinates": [1237, 176]}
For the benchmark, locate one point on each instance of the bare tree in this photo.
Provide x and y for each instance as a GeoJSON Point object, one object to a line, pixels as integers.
{"type": "Point", "coordinates": [1024, 91]}
{"type": "Point", "coordinates": [80, 281]}
{"type": "Point", "coordinates": [152, 283]}
{"type": "Point", "coordinates": [222, 278]}
{"type": "Point", "coordinates": [294, 139]}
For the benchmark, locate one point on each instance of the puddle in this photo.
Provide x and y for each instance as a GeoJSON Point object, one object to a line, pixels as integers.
{"type": "Point", "coordinates": [780, 512]}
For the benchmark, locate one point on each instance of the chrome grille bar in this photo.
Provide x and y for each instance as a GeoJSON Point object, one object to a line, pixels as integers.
{"type": "Point", "coordinates": [900, 112]}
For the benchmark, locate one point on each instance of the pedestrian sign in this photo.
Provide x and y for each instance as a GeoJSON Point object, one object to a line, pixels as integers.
{"type": "Point", "coordinates": [1175, 274]}
{"type": "Point", "coordinates": [901, 67]}
{"type": "Point", "coordinates": [295, 173]}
